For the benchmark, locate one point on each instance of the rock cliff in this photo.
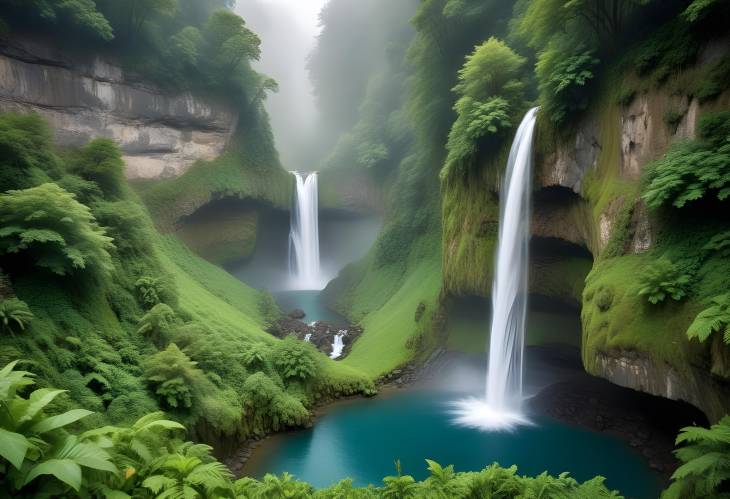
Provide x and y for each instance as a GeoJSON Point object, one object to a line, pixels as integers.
{"type": "Point", "coordinates": [86, 97]}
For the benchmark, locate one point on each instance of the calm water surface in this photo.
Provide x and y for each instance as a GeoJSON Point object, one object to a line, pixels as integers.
{"type": "Point", "coordinates": [309, 301]}
{"type": "Point", "coordinates": [362, 439]}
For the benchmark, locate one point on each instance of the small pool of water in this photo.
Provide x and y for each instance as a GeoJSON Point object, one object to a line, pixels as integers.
{"type": "Point", "coordinates": [362, 439]}
{"type": "Point", "coordinates": [311, 302]}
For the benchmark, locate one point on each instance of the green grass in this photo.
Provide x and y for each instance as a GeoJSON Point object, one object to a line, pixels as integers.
{"type": "Point", "coordinates": [249, 169]}
{"type": "Point", "coordinates": [211, 295]}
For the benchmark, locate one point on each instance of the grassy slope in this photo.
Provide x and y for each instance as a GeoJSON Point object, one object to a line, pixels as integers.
{"type": "Point", "coordinates": [210, 294]}
{"type": "Point", "coordinates": [390, 326]}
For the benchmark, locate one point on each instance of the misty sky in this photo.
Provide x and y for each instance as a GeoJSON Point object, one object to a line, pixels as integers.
{"type": "Point", "coordinates": [288, 29]}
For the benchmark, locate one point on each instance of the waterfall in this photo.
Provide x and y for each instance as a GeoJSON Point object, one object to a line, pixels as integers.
{"type": "Point", "coordinates": [307, 337]}
{"type": "Point", "coordinates": [501, 407]}
{"type": "Point", "coordinates": [338, 345]}
{"type": "Point", "coordinates": [304, 234]}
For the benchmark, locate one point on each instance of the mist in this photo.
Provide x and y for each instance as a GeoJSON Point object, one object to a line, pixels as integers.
{"type": "Point", "coordinates": [288, 29]}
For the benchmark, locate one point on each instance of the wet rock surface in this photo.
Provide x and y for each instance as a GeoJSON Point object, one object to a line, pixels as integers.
{"type": "Point", "coordinates": [320, 333]}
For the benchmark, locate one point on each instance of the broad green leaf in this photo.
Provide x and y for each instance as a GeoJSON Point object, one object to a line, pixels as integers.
{"type": "Point", "coordinates": [13, 447]}
{"type": "Point", "coordinates": [38, 400]}
{"type": "Point", "coordinates": [53, 422]}
{"type": "Point", "coordinates": [63, 469]}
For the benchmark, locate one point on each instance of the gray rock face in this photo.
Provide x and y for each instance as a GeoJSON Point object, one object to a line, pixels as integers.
{"type": "Point", "coordinates": [160, 135]}
{"type": "Point", "coordinates": [639, 372]}
{"type": "Point", "coordinates": [568, 164]}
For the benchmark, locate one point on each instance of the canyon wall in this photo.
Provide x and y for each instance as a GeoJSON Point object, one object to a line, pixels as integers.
{"type": "Point", "coordinates": [160, 135]}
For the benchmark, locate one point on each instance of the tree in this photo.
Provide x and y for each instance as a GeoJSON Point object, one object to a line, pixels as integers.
{"type": "Point", "coordinates": [705, 457]}
{"type": "Point", "coordinates": [185, 46]}
{"type": "Point", "coordinates": [48, 226]}
{"type": "Point", "coordinates": [14, 313]}
{"type": "Point", "coordinates": [82, 13]}
{"type": "Point", "coordinates": [228, 42]}
{"type": "Point", "coordinates": [491, 94]}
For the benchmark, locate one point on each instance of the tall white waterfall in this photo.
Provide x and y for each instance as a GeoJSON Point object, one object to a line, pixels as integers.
{"type": "Point", "coordinates": [501, 407]}
{"type": "Point", "coordinates": [304, 234]}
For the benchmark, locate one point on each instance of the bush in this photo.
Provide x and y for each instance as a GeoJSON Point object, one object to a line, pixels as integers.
{"type": "Point", "coordinates": [26, 157]}
{"type": "Point", "coordinates": [713, 319]}
{"type": "Point", "coordinates": [563, 77]}
{"type": "Point", "coordinates": [491, 95]}
{"type": "Point", "coordinates": [175, 379]}
{"type": "Point", "coordinates": [295, 360]}
{"type": "Point", "coordinates": [690, 170]}
{"type": "Point", "coordinates": [158, 323]}
{"type": "Point", "coordinates": [663, 279]}
{"type": "Point", "coordinates": [47, 225]}
{"type": "Point", "coordinates": [705, 458]}
{"type": "Point", "coordinates": [100, 161]}
{"type": "Point", "coordinates": [14, 313]}
{"type": "Point", "coordinates": [149, 291]}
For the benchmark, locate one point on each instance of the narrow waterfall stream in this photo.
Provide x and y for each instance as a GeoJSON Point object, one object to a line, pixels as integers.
{"type": "Point", "coordinates": [304, 265]}
{"type": "Point", "coordinates": [338, 345]}
{"type": "Point", "coordinates": [501, 407]}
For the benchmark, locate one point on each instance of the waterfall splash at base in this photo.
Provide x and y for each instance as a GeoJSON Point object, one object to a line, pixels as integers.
{"type": "Point", "coordinates": [304, 268]}
{"type": "Point", "coordinates": [500, 409]}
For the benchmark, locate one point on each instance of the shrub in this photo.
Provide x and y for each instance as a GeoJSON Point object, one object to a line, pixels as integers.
{"type": "Point", "coordinates": [254, 357]}
{"type": "Point", "coordinates": [149, 291]}
{"type": "Point", "coordinates": [158, 322]}
{"type": "Point", "coordinates": [55, 231]}
{"type": "Point", "coordinates": [26, 157]}
{"type": "Point", "coordinates": [127, 223]}
{"type": "Point", "coordinates": [673, 118]}
{"type": "Point", "coordinates": [14, 313]}
{"type": "Point", "coordinates": [719, 243]}
{"type": "Point", "coordinates": [663, 279]}
{"type": "Point", "coordinates": [174, 378]}
{"type": "Point", "coordinates": [294, 359]}
{"type": "Point", "coordinates": [563, 76]}
{"type": "Point", "coordinates": [690, 170]}
{"type": "Point", "coordinates": [100, 161]}
{"type": "Point", "coordinates": [35, 444]}
{"type": "Point", "coordinates": [705, 458]}
{"type": "Point", "coordinates": [268, 308]}
{"type": "Point", "coordinates": [491, 93]}
{"type": "Point", "coordinates": [713, 319]}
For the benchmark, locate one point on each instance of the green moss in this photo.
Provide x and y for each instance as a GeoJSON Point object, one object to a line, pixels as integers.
{"type": "Point", "coordinates": [223, 237]}
{"type": "Point", "coordinates": [250, 169]}
{"type": "Point", "coordinates": [470, 213]}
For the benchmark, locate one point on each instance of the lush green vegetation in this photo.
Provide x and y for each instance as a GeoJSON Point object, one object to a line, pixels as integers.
{"type": "Point", "coordinates": [196, 45]}
{"type": "Point", "coordinates": [128, 321]}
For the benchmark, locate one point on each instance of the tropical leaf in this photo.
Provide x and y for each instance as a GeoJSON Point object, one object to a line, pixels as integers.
{"type": "Point", "coordinates": [13, 447]}
{"type": "Point", "coordinates": [64, 470]}
{"type": "Point", "coordinates": [59, 421]}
